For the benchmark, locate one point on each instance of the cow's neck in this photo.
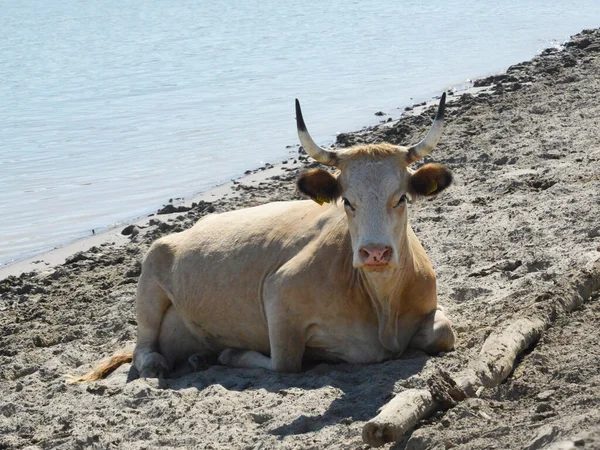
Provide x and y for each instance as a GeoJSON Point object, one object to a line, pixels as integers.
{"type": "Point", "coordinates": [384, 290]}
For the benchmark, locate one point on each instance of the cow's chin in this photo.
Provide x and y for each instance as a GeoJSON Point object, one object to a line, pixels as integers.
{"type": "Point", "coordinates": [378, 268]}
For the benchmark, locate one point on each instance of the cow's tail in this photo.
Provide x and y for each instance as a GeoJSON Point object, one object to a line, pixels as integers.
{"type": "Point", "coordinates": [103, 369]}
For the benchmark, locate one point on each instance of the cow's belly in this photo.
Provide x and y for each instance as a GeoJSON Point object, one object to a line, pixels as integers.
{"type": "Point", "coordinates": [353, 342]}
{"type": "Point", "coordinates": [356, 343]}
{"type": "Point", "coordinates": [242, 326]}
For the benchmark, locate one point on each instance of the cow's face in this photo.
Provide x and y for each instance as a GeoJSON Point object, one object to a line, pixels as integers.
{"type": "Point", "coordinates": [374, 193]}
{"type": "Point", "coordinates": [374, 184]}
{"type": "Point", "coordinates": [374, 196]}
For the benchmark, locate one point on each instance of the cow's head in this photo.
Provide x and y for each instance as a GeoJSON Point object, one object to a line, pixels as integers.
{"type": "Point", "coordinates": [374, 182]}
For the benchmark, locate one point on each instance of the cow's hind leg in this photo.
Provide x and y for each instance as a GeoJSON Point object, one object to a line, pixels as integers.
{"type": "Point", "coordinates": [435, 334]}
{"type": "Point", "coordinates": [178, 344]}
{"type": "Point", "coordinates": [151, 305]}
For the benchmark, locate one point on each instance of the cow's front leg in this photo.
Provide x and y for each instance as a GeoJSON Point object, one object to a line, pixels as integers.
{"type": "Point", "coordinates": [248, 359]}
{"type": "Point", "coordinates": [435, 334]}
{"type": "Point", "coordinates": [287, 349]}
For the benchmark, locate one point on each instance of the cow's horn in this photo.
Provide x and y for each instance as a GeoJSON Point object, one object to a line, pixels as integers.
{"type": "Point", "coordinates": [424, 147]}
{"type": "Point", "coordinates": [313, 150]}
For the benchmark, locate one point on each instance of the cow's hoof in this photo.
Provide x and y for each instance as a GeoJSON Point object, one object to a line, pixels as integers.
{"type": "Point", "coordinates": [201, 362]}
{"type": "Point", "coordinates": [230, 356]}
{"type": "Point", "coordinates": [155, 366]}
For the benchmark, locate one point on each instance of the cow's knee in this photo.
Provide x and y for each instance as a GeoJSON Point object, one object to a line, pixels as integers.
{"type": "Point", "coordinates": [435, 334]}
{"type": "Point", "coordinates": [443, 339]}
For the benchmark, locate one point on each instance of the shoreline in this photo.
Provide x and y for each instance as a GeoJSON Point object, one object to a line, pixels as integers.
{"type": "Point", "coordinates": [254, 176]}
{"type": "Point", "coordinates": [114, 237]}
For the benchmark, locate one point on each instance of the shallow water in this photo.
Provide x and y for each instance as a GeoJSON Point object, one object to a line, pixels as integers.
{"type": "Point", "coordinates": [110, 109]}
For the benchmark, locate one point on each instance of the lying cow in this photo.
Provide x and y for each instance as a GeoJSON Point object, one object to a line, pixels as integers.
{"type": "Point", "coordinates": [270, 285]}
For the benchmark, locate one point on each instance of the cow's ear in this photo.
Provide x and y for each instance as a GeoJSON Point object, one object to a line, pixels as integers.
{"type": "Point", "coordinates": [319, 185]}
{"type": "Point", "coordinates": [430, 179]}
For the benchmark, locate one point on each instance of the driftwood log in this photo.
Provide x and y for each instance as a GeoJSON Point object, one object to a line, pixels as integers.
{"type": "Point", "coordinates": [399, 415]}
{"type": "Point", "coordinates": [496, 361]}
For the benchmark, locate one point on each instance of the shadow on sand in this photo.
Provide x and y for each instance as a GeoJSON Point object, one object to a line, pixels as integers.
{"type": "Point", "coordinates": [362, 389]}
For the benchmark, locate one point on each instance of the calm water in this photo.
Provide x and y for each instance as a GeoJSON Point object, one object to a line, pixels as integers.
{"type": "Point", "coordinates": [110, 108]}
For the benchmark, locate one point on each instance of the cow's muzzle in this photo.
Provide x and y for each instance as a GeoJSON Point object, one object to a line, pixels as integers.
{"type": "Point", "coordinates": [375, 255]}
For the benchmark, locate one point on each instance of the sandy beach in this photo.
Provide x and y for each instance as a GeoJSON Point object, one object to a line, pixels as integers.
{"type": "Point", "coordinates": [516, 236]}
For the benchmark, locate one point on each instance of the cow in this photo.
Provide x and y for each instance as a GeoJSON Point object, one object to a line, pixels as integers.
{"type": "Point", "coordinates": [273, 285]}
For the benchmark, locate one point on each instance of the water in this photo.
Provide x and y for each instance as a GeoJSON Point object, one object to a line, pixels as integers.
{"type": "Point", "coordinates": [111, 108]}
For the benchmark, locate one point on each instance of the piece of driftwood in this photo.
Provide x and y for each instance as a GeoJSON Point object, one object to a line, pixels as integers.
{"type": "Point", "coordinates": [496, 361]}
{"type": "Point", "coordinates": [408, 407]}
{"type": "Point", "coordinates": [398, 416]}
{"type": "Point", "coordinates": [498, 355]}
{"type": "Point", "coordinates": [444, 390]}
{"type": "Point", "coordinates": [494, 364]}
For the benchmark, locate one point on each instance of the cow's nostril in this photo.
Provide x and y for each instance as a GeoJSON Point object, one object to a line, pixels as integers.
{"type": "Point", "coordinates": [364, 253]}
{"type": "Point", "coordinates": [387, 254]}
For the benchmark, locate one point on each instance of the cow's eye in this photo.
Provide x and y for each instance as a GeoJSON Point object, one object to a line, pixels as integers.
{"type": "Point", "coordinates": [401, 202]}
{"type": "Point", "coordinates": [347, 204]}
